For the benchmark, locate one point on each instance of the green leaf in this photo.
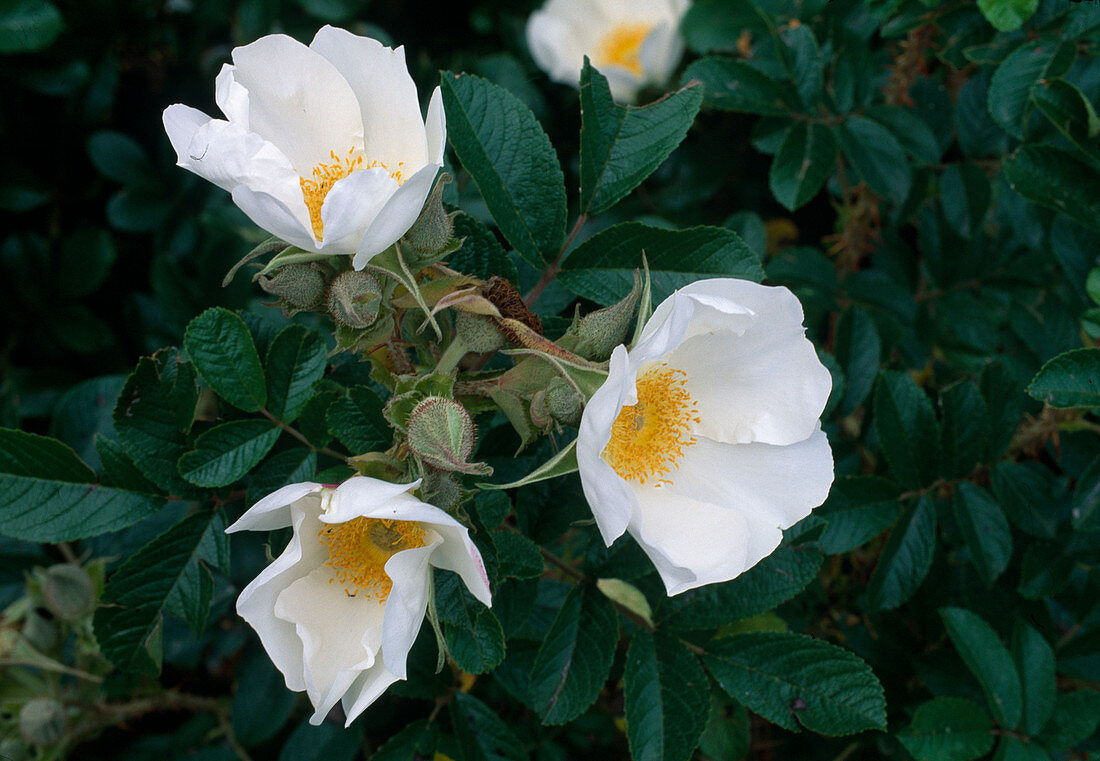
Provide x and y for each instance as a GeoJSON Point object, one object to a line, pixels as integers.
{"type": "Point", "coordinates": [1071, 379]}
{"type": "Point", "coordinates": [481, 254]}
{"type": "Point", "coordinates": [948, 729]}
{"type": "Point", "coordinates": [1075, 718]}
{"type": "Point", "coordinates": [665, 694]}
{"type": "Point", "coordinates": [28, 25]}
{"type": "Point", "coordinates": [966, 194]}
{"type": "Point", "coordinates": [602, 268]}
{"type": "Point", "coordinates": [985, 529]}
{"type": "Point", "coordinates": [482, 735]}
{"type": "Point", "coordinates": [260, 684]}
{"type": "Point", "coordinates": [575, 657]}
{"type": "Point", "coordinates": [226, 452]}
{"type": "Point", "coordinates": [907, 430]}
{"type": "Point", "coordinates": [289, 466]}
{"type": "Point", "coordinates": [326, 742]}
{"type": "Point", "coordinates": [1007, 15]}
{"type": "Point", "coordinates": [518, 556]}
{"type": "Point", "coordinates": [1024, 68]}
{"type": "Point", "coordinates": [415, 742]}
{"type": "Point", "coordinates": [906, 558]}
{"type": "Point", "coordinates": [804, 161]}
{"type": "Point", "coordinates": [1058, 180]}
{"type": "Point", "coordinates": [502, 146]}
{"type": "Point", "coordinates": [858, 509]}
{"type": "Point", "coordinates": [912, 132]}
{"type": "Point", "coordinates": [357, 421]}
{"type": "Point", "coordinates": [771, 582]}
{"type": "Point", "coordinates": [1086, 499]}
{"type": "Point", "coordinates": [728, 734]}
{"type": "Point", "coordinates": [986, 656]}
{"type": "Point", "coordinates": [119, 470]}
{"type": "Point", "coordinates": [86, 259]}
{"type": "Point", "coordinates": [858, 350]}
{"type": "Point", "coordinates": [966, 430]}
{"type": "Point", "coordinates": [561, 464]}
{"type": "Point", "coordinates": [1034, 660]}
{"type": "Point", "coordinates": [167, 574]}
{"type": "Point", "coordinates": [733, 85]}
{"type": "Point", "coordinates": [1069, 111]}
{"type": "Point", "coordinates": [476, 650]}
{"type": "Point", "coordinates": [154, 413]}
{"type": "Point", "coordinates": [219, 344]}
{"type": "Point", "coordinates": [878, 157]}
{"type": "Point", "coordinates": [51, 496]}
{"type": "Point", "coordinates": [622, 145]}
{"type": "Point", "coordinates": [807, 63]}
{"type": "Point", "coordinates": [783, 676]}
{"type": "Point", "coordinates": [295, 361]}
{"type": "Point", "coordinates": [119, 157]}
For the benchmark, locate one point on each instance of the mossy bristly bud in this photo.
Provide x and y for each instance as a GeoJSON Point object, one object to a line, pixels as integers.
{"type": "Point", "coordinates": [433, 229]}
{"type": "Point", "coordinates": [42, 721]}
{"type": "Point", "coordinates": [69, 591]}
{"type": "Point", "coordinates": [596, 335]}
{"type": "Point", "coordinates": [441, 433]}
{"type": "Point", "coordinates": [299, 285]}
{"type": "Point", "coordinates": [354, 299]}
{"type": "Point", "coordinates": [564, 402]}
{"type": "Point", "coordinates": [478, 333]}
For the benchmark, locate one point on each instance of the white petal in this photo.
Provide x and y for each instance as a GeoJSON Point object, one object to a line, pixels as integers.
{"type": "Point", "coordinates": [393, 130]}
{"type": "Point", "coordinates": [364, 497]}
{"type": "Point", "coordinates": [273, 215]}
{"type": "Point", "coordinates": [231, 96]}
{"type": "Point", "coordinates": [556, 46]}
{"type": "Point", "coordinates": [397, 216]}
{"type": "Point", "coordinates": [779, 485]}
{"type": "Point", "coordinates": [458, 553]}
{"type": "Point", "coordinates": [623, 83]}
{"type": "Point", "coordinates": [608, 495]}
{"type": "Point", "coordinates": [660, 52]}
{"type": "Point", "coordinates": [435, 124]}
{"type": "Point", "coordinates": [273, 511]}
{"type": "Point", "coordinates": [406, 604]}
{"type": "Point", "coordinates": [181, 123]}
{"type": "Point", "coordinates": [351, 205]}
{"type": "Point", "coordinates": [298, 101]}
{"type": "Point", "coordinates": [366, 689]}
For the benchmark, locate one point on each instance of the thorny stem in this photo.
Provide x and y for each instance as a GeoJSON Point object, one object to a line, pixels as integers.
{"type": "Point", "coordinates": [171, 700]}
{"type": "Point", "coordinates": [551, 270]}
{"type": "Point", "coordinates": [298, 435]}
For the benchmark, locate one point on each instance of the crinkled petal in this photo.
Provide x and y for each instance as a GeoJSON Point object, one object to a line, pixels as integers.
{"type": "Point", "coordinates": [273, 215]}
{"type": "Point", "coordinates": [407, 602]}
{"type": "Point", "coordinates": [393, 130]}
{"type": "Point", "coordinates": [396, 217]}
{"type": "Point", "coordinates": [231, 96]}
{"type": "Point", "coordinates": [273, 511]}
{"type": "Point", "coordinates": [298, 101]}
{"type": "Point", "coordinates": [352, 204]}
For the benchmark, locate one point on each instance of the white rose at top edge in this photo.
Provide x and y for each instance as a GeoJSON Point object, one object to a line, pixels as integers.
{"type": "Point", "coordinates": [340, 608]}
{"type": "Point", "coordinates": [322, 146]}
{"type": "Point", "coordinates": [631, 42]}
{"type": "Point", "coordinates": [704, 442]}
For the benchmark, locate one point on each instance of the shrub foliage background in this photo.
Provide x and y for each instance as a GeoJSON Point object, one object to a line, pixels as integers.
{"type": "Point", "coordinates": [924, 175]}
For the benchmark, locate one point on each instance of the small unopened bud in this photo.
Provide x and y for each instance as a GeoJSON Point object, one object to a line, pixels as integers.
{"type": "Point", "coordinates": [564, 403]}
{"type": "Point", "coordinates": [42, 721]}
{"type": "Point", "coordinates": [596, 335]}
{"type": "Point", "coordinates": [41, 630]}
{"type": "Point", "coordinates": [354, 299]}
{"type": "Point", "coordinates": [540, 413]}
{"type": "Point", "coordinates": [442, 490]}
{"type": "Point", "coordinates": [441, 433]}
{"type": "Point", "coordinates": [69, 592]}
{"type": "Point", "coordinates": [478, 333]}
{"type": "Point", "coordinates": [299, 285]}
{"type": "Point", "coordinates": [432, 230]}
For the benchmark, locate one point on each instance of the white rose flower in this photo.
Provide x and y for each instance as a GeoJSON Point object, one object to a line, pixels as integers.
{"type": "Point", "coordinates": [340, 608]}
{"type": "Point", "coordinates": [322, 146]}
{"type": "Point", "coordinates": [632, 42]}
{"type": "Point", "coordinates": [704, 442]}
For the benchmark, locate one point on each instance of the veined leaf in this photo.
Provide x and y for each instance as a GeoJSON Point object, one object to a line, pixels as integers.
{"type": "Point", "coordinates": [733, 85]}
{"type": "Point", "coordinates": [227, 452]}
{"type": "Point", "coordinates": [986, 656]}
{"type": "Point", "coordinates": [295, 361]}
{"type": "Point", "coordinates": [948, 729]}
{"type": "Point", "coordinates": [482, 735]}
{"type": "Point", "coordinates": [984, 526]}
{"type": "Point", "coordinates": [906, 558]}
{"type": "Point", "coordinates": [665, 693]}
{"type": "Point", "coordinates": [221, 347]}
{"type": "Point", "coordinates": [907, 429]}
{"type": "Point", "coordinates": [1071, 379]}
{"type": "Point", "coordinates": [805, 160]}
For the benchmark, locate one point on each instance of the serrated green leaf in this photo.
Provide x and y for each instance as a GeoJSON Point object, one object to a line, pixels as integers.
{"type": "Point", "coordinates": [804, 161]}
{"type": "Point", "coordinates": [602, 268]}
{"type": "Point", "coordinates": [728, 734]}
{"type": "Point", "coordinates": [1058, 180]}
{"type": "Point", "coordinates": [481, 254]}
{"type": "Point", "coordinates": [966, 194]}
{"type": "Point", "coordinates": [985, 529]}
{"type": "Point", "coordinates": [986, 656]}
{"type": "Point", "coordinates": [807, 63]}
{"type": "Point", "coordinates": [1023, 69]}
{"type": "Point", "coordinates": [878, 157]}
{"type": "Point", "coordinates": [518, 556]}
{"type": "Point", "coordinates": [168, 573]}
{"type": "Point", "coordinates": [733, 85]}
{"type": "Point", "coordinates": [858, 350]}
{"type": "Point", "coordinates": [503, 147]}
{"type": "Point", "coordinates": [1007, 15]}
{"type": "Point", "coordinates": [220, 346]}
{"type": "Point", "coordinates": [906, 558]}
{"type": "Point", "coordinates": [357, 421]}
{"type": "Point", "coordinates": [482, 735]}
{"type": "Point", "coordinates": [948, 729]}
{"type": "Point", "coordinates": [119, 470]}
{"type": "Point", "coordinates": [966, 430]}
{"type": "Point", "coordinates": [1075, 719]}
{"type": "Point", "coordinates": [1071, 379]}
{"type": "Point", "coordinates": [912, 131]}
{"type": "Point", "coordinates": [226, 452]}
{"type": "Point", "coordinates": [414, 742]}
{"type": "Point", "coordinates": [290, 466]}
{"type": "Point", "coordinates": [858, 509]}
{"type": "Point", "coordinates": [772, 581]}
{"type": "Point", "coordinates": [295, 361]}
{"type": "Point", "coordinates": [784, 677]}
{"type": "Point", "coordinates": [1069, 111]}
{"type": "Point", "coordinates": [29, 25]}
{"type": "Point", "coordinates": [476, 650]}
{"type": "Point", "coordinates": [665, 695]}
{"type": "Point", "coordinates": [622, 145]}
{"type": "Point", "coordinates": [907, 429]}
{"type": "Point", "coordinates": [51, 496]}
{"type": "Point", "coordinates": [1034, 660]}
{"type": "Point", "coordinates": [575, 657]}
{"type": "Point", "coordinates": [326, 742]}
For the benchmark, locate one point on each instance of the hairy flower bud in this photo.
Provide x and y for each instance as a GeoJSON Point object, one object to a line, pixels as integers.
{"type": "Point", "coordinates": [596, 335]}
{"type": "Point", "coordinates": [478, 333]}
{"type": "Point", "coordinates": [354, 299]}
{"type": "Point", "coordinates": [433, 228]}
{"type": "Point", "coordinates": [564, 403]}
{"type": "Point", "coordinates": [441, 433]}
{"type": "Point", "coordinates": [42, 721]}
{"type": "Point", "coordinates": [299, 285]}
{"type": "Point", "coordinates": [69, 592]}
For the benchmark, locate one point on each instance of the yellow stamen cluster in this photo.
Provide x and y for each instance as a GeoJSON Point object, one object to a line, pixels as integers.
{"type": "Point", "coordinates": [326, 175]}
{"type": "Point", "coordinates": [622, 46]}
{"type": "Point", "coordinates": [358, 550]}
{"type": "Point", "coordinates": [649, 438]}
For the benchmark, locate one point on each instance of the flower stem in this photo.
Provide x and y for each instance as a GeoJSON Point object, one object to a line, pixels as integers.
{"type": "Point", "coordinates": [551, 270]}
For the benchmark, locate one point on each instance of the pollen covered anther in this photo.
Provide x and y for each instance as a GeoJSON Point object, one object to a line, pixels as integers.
{"type": "Point", "coordinates": [649, 438]}
{"type": "Point", "coordinates": [358, 550]}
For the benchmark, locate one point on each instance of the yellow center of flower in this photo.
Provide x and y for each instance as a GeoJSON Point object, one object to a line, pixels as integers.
{"type": "Point", "coordinates": [649, 438]}
{"type": "Point", "coordinates": [358, 550]}
{"type": "Point", "coordinates": [326, 175]}
{"type": "Point", "coordinates": [622, 46]}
